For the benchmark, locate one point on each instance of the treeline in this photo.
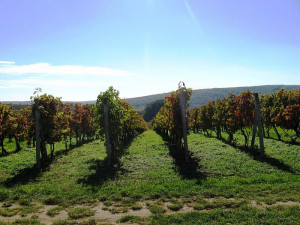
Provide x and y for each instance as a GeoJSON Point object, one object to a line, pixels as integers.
{"type": "Point", "coordinates": [232, 114]}
{"type": "Point", "coordinates": [53, 121]}
{"type": "Point", "coordinates": [57, 122]}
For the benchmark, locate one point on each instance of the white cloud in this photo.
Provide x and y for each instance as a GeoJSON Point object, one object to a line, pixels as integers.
{"type": "Point", "coordinates": [48, 69]}
{"type": "Point", "coordinates": [35, 82]}
{"type": "Point", "coordinates": [7, 62]}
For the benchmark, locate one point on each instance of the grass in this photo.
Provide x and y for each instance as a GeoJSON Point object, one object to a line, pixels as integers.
{"type": "Point", "coordinates": [54, 211]}
{"type": "Point", "coordinates": [230, 175]}
{"type": "Point", "coordinates": [129, 218]}
{"type": "Point", "coordinates": [22, 211]}
{"type": "Point", "coordinates": [156, 209]}
{"type": "Point", "coordinates": [136, 207]}
{"type": "Point", "coordinates": [22, 222]}
{"type": "Point", "coordinates": [246, 215]}
{"type": "Point", "coordinates": [78, 213]}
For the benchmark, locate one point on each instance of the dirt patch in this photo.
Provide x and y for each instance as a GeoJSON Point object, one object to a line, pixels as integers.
{"type": "Point", "coordinates": [263, 205]}
{"type": "Point", "coordinates": [104, 215]}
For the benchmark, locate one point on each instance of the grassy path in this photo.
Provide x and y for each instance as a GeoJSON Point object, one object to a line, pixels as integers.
{"type": "Point", "coordinates": [148, 178]}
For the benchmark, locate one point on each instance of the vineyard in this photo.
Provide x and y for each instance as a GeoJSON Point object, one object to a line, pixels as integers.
{"type": "Point", "coordinates": [103, 164]}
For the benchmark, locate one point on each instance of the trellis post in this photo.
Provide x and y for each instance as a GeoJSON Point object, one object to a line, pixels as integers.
{"type": "Point", "coordinates": [106, 124]}
{"type": "Point", "coordinates": [37, 135]}
{"type": "Point", "coordinates": [182, 101]}
{"type": "Point", "coordinates": [258, 123]}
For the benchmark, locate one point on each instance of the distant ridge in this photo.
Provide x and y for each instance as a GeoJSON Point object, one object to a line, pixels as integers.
{"type": "Point", "coordinates": [202, 96]}
{"type": "Point", "coordinates": [199, 96]}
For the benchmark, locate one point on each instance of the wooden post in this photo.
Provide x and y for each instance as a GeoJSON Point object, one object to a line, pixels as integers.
{"type": "Point", "coordinates": [37, 135]}
{"type": "Point", "coordinates": [182, 102]}
{"type": "Point", "coordinates": [254, 129]}
{"type": "Point", "coordinates": [259, 124]}
{"type": "Point", "coordinates": [106, 124]}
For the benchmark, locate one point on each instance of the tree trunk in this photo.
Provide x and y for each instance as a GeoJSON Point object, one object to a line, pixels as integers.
{"type": "Point", "coordinates": [76, 138]}
{"type": "Point", "coordinates": [268, 133]}
{"type": "Point", "coordinates": [52, 150]}
{"type": "Point", "coordinates": [276, 131]}
{"type": "Point", "coordinates": [4, 152]}
{"type": "Point", "coordinates": [80, 138]}
{"type": "Point", "coordinates": [246, 138]}
{"type": "Point", "coordinates": [66, 143]}
{"type": "Point", "coordinates": [83, 138]}
{"type": "Point", "coordinates": [18, 147]}
{"type": "Point", "coordinates": [44, 158]}
{"type": "Point", "coordinates": [70, 142]}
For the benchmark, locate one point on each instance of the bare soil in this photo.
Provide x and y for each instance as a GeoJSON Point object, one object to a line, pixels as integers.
{"type": "Point", "coordinates": [106, 216]}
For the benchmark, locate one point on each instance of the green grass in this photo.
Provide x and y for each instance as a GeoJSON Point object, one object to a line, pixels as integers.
{"type": "Point", "coordinates": [129, 218]}
{"type": "Point", "coordinates": [146, 172]}
{"type": "Point", "coordinates": [78, 213]}
{"type": "Point", "coordinates": [22, 211]}
{"type": "Point", "coordinates": [136, 206]}
{"type": "Point", "coordinates": [22, 222]}
{"type": "Point", "coordinates": [156, 209]}
{"type": "Point", "coordinates": [247, 215]}
{"type": "Point", "coordinates": [54, 211]}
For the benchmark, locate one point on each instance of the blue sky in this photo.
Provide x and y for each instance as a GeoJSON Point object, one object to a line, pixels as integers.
{"type": "Point", "coordinates": [75, 49]}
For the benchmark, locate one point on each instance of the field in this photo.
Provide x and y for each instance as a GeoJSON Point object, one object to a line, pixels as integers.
{"type": "Point", "coordinates": [223, 184]}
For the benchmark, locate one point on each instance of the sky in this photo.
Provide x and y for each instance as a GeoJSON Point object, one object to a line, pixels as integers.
{"type": "Point", "coordinates": [76, 49]}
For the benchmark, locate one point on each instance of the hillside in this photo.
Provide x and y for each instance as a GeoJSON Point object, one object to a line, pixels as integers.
{"type": "Point", "coordinates": [199, 96]}
{"type": "Point", "coordinates": [202, 96]}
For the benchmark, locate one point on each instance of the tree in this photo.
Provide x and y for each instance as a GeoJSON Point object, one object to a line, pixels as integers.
{"type": "Point", "coordinates": [120, 124]}
{"type": "Point", "coordinates": [152, 109]}
{"type": "Point", "coordinates": [288, 116]}
{"type": "Point", "coordinates": [18, 127]}
{"type": "Point", "coordinates": [169, 119]}
{"type": "Point", "coordinates": [115, 114]}
{"type": "Point", "coordinates": [5, 124]}
{"type": "Point", "coordinates": [49, 109]}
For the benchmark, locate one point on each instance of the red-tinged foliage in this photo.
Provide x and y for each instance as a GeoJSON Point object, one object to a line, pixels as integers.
{"type": "Point", "coordinates": [288, 108]}
{"type": "Point", "coordinates": [168, 120]}
{"type": "Point", "coordinates": [281, 109]}
{"type": "Point", "coordinates": [236, 113]}
{"type": "Point", "coordinates": [229, 114]}
{"type": "Point", "coordinates": [5, 124]}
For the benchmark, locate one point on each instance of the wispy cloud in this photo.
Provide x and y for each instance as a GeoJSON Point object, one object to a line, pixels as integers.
{"type": "Point", "coordinates": [6, 63]}
{"type": "Point", "coordinates": [36, 82]}
{"type": "Point", "coordinates": [9, 68]}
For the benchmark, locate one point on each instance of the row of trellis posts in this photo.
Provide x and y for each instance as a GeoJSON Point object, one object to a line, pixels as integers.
{"type": "Point", "coordinates": [257, 124]}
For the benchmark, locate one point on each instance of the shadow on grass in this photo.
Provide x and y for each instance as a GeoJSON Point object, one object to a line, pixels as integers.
{"type": "Point", "coordinates": [265, 158]}
{"type": "Point", "coordinates": [30, 174]}
{"type": "Point", "coordinates": [103, 172]}
{"type": "Point", "coordinates": [283, 141]}
{"type": "Point", "coordinates": [24, 176]}
{"type": "Point", "coordinates": [187, 170]}
{"type": "Point", "coordinates": [8, 153]}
